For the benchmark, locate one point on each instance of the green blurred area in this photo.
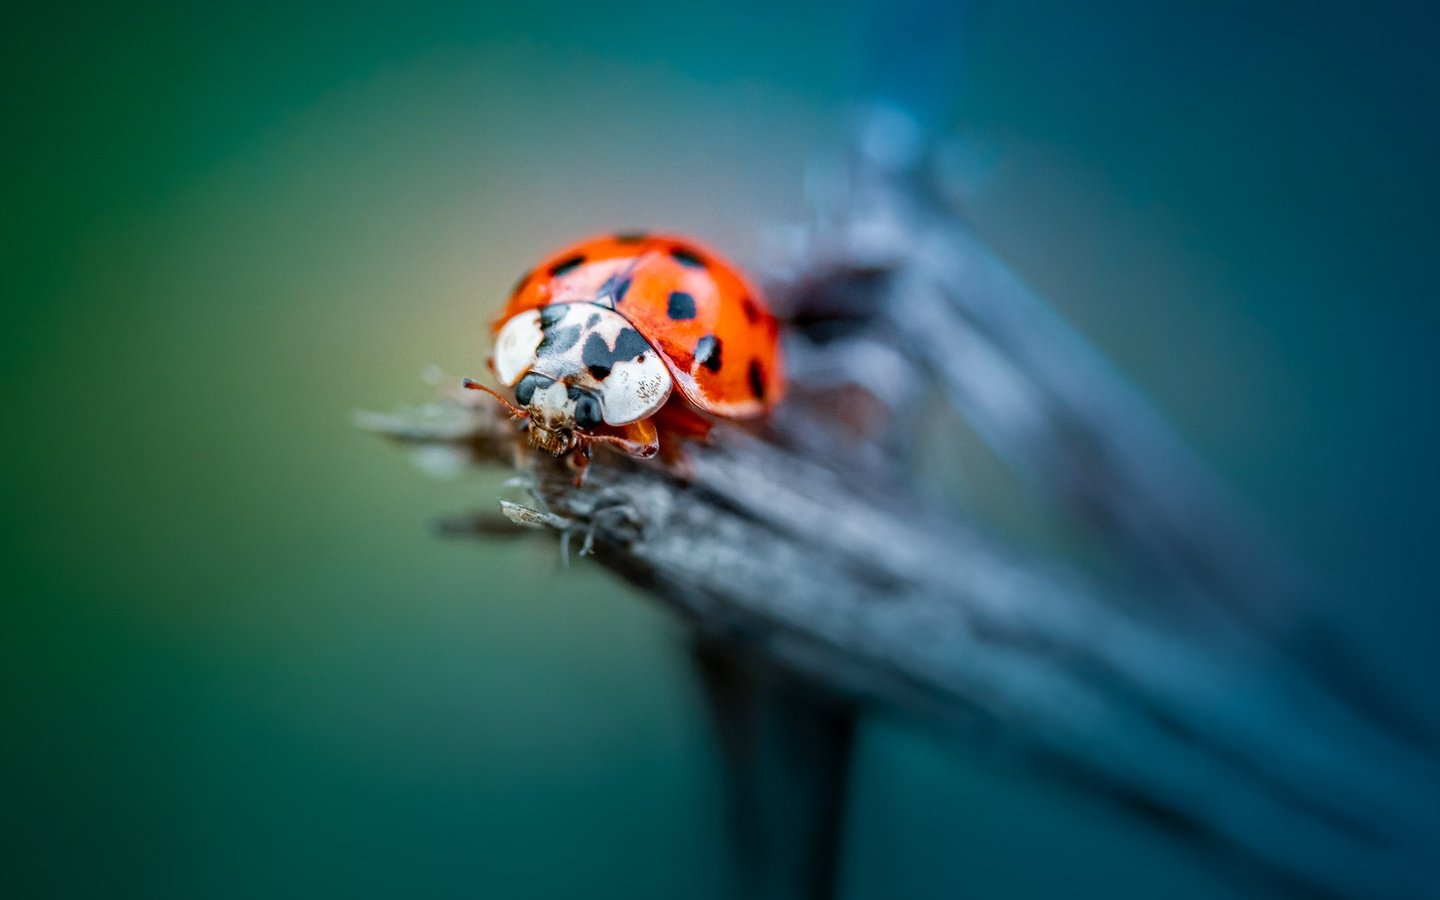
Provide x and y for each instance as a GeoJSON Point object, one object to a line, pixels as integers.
{"type": "Point", "coordinates": [237, 660]}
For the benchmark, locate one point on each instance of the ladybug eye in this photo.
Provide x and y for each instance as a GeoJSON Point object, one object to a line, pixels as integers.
{"type": "Point", "coordinates": [587, 411]}
{"type": "Point", "coordinates": [529, 385]}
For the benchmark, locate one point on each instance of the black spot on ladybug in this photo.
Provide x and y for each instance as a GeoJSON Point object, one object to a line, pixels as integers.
{"type": "Point", "coordinates": [520, 283]}
{"type": "Point", "coordinates": [687, 257]}
{"type": "Point", "coordinates": [596, 357]}
{"type": "Point", "coordinates": [630, 237]}
{"type": "Point", "coordinates": [757, 379]}
{"type": "Point", "coordinates": [567, 265]}
{"type": "Point", "coordinates": [549, 315]}
{"type": "Point", "coordinates": [707, 352]}
{"type": "Point", "coordinates": [752, 312]}
{"type": "Point", "coordinates": [558, 340]}
{"type": "Point", "coordinates": [592, 321]}
{"type": "Point", "coordinates": [630, 343]}
{"type": "Point", "coordinates": [612, 291]}
{"type": "Point", "coordinates": [600, 359]}
{"type": "Point", "coordinates": [681, 306]}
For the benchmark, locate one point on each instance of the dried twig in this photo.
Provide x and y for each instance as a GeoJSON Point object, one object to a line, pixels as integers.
{"type": "Point", "coordinates": [818, 548]}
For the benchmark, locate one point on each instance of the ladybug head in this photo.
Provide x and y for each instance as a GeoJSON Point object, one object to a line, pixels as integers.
{"type": "Point", "coordinates": [561, 416]}
{"type": "Point", "coordinates": [557, 412]}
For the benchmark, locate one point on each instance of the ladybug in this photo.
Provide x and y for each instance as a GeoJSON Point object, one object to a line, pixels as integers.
{"type": "Point", "coordinates": [618, 339]}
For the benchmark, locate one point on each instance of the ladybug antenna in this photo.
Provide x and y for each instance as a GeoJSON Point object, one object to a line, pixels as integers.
{"type": "Point", "coordinates": [515, 411]}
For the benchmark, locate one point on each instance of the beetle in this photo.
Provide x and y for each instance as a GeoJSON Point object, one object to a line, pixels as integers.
{"type": "Point", "coordinates": [621, 337]}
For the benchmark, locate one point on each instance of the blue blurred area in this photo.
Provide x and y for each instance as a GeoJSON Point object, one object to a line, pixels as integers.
{"type": "Point", "coordinates": [237, 663]}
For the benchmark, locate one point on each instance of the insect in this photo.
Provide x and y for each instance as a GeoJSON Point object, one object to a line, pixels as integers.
{"type": "Point", "coordinates": [622, 338]}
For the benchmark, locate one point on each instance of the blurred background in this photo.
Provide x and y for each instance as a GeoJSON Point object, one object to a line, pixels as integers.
{"type": "Point", "coordinates": [237, 660]}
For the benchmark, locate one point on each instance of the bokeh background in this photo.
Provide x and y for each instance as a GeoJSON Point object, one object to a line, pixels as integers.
{"type": "Point", "coordinates": [237, 660]}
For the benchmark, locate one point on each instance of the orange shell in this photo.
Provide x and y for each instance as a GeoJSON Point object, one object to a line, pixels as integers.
{"type": "Point", "coordinates": [711, 326]}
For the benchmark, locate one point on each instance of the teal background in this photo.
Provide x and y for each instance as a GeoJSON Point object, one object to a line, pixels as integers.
{"type": "Point", "coordinates": [237, 661]}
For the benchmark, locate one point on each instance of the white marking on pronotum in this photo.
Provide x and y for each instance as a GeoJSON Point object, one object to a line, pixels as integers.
{"type": "Point", "coordinates": [634, 387]}
{"type": "Point", "coordinates": [515, 346]}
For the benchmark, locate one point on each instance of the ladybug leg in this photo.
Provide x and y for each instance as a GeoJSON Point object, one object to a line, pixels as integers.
{"type": "Point", "coordinates": [639, 439]}
{"type": "Point", "coordinates": [579, 460]}
{"type": "Point", "coordinates": [643, 439]}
